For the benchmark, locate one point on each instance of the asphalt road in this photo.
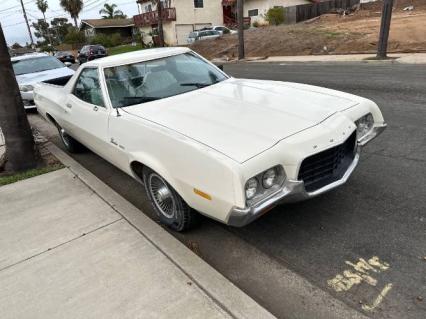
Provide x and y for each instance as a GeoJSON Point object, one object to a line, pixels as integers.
{"type": "Point", "coordinates": [380, 212]}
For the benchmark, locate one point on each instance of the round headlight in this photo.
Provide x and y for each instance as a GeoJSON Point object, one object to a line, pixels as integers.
{"type": "Point", "coordinates": [269, 178]}
{"type": "Point", "coordinates": [364, 125]}
{"type": "Point", "coordinates": [251, 188]}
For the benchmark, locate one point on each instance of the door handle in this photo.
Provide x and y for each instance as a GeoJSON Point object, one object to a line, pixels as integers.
{"type": "Point", "coordinates": [95, 108]}
{"type": "Point", "coordinates": [68, 105]}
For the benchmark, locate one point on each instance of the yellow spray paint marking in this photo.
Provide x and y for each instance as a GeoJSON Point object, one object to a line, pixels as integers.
{"type": "Point", "coordinates": [361, 273]}
{"type": "Point", "coordinates": [379, 298]}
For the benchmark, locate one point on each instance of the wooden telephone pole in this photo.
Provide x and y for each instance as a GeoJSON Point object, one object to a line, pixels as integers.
{"type": "Point", "coordinates": [240, 19]}
{"type": "Point", "coordinates": [26, 21]}
{"type": "Point", "coordinates": [382, 46]}
{"type": "Point", "coordinates": [160, 22]}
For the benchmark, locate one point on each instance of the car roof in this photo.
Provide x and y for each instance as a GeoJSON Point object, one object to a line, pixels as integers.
{"type": "Point", "coordinates": [137, 56]}
{"type": "Point", "coordinates": [29, 56]}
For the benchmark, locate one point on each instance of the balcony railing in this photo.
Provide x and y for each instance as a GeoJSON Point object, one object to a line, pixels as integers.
{"type": "Point", "coordinates": [150, 18]}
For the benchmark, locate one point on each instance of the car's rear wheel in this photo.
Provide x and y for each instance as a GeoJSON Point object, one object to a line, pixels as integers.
{"type": "Point", "coordinates": [69, 142]}
{"type": "Point", "coordinates": [169, 206]}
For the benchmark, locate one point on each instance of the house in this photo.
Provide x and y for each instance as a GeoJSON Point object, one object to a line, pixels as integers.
{"type": "Point", "coordinates": [180, 17]}
{"type": "Point", "coordinates": [124, 27]}
{"type": "Point", "coordinates": [257, 9]}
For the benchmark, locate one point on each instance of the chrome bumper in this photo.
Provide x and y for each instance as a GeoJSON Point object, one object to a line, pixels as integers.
{"type": "Point", "coordinates": [376, 131]}
{"type": "Point", "coordinates": [292, 191]}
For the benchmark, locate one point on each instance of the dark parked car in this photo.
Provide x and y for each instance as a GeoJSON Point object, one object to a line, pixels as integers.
{"type": "Point", "coordinates": [65, 56]}
{"type": "Point", "coordinates": [91, 52]}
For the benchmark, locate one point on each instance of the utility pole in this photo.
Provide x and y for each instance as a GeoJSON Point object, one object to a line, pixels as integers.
{"type": "Point", "coordinates": [382, 46]}
{"type": "Point", "coordinates": [160, 22]}
{"type": "Point", "coordinates": [20, 148]}
{"type": "Point", "coordinates": [28, 25]}
{"type": "Point", "coordinates": [240, 19]}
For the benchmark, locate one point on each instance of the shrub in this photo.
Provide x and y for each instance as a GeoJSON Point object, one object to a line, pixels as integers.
{"type": "Point", "coordinates": [74, 36]}
{"type": "Point", "coordinates": [116, 39]}
{"type": "Point", "coordinates": [256, 24]}
{"type": "Point", "coordinates": [101, 39]}
{"type": "Point", "coordinates": [275, 16]}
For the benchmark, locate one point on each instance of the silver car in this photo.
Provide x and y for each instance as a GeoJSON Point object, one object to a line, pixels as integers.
{"type": "Point", "coordinates": [38, 67]}
{"type": "Point", "coordinates": [203, 35]}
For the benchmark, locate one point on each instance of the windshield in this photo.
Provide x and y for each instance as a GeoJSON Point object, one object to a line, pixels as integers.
{"type": "Point", "coordinates": [34, 65]}
{"type": "Point", "coordinates": [157, 79]}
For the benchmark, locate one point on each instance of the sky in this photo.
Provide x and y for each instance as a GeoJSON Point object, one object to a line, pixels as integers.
{"type": "Point", "coordinates": [13, 22]}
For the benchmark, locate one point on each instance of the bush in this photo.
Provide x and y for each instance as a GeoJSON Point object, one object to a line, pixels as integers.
{"type": "Point", "coordinates": [75, 37]}
{"type": "Point", "coordinates": [107, 41]}
{"type": "Point", "coordinates": [256, 24]}
{"type": "Point", "coordinates": [275, 16]}
{"type": "Point", "coordinates": [116, 39]}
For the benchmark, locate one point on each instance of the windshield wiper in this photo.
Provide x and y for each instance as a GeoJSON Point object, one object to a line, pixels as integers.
{"type": "Point", "coordinates": [196, 84]}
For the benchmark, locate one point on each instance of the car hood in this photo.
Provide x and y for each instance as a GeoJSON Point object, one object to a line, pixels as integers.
{"type": "Point", "coordinates": [242, 118]}
{"type": "Point", "coordinates": [32, 78]}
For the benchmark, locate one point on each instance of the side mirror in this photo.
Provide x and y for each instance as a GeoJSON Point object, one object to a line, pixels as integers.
{"type": "Point", "coordinates": [68, 64]}
{"type": "Point", "coordinates": [220, 66]}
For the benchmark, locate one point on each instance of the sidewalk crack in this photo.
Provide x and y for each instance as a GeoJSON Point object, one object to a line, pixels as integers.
{"type": "Point", "coordinates": [61, 244]}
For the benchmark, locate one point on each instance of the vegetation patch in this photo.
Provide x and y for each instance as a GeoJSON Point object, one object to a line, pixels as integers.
{"type": "Point", "coordinates": [9, 179]}
{"type": "Point", "coordinates": [124, 48]}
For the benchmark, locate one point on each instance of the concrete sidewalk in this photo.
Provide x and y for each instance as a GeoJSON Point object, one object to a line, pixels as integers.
{"type": "Point", "coordinates": [70, 250]}
{"type": "Point", "coordinates": [406, 58]}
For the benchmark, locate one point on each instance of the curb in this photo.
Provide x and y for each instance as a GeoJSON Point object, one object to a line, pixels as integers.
{"type": "Point", "coordinates": [225, 294]}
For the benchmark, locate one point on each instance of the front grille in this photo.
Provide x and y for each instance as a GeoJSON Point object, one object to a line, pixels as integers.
{"type": "Point", "coordinates": [328, 166]}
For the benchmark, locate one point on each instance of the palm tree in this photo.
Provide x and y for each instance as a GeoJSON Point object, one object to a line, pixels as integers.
{"type": "Point", "coordinates": [42, 6]}
{"type": "Point", "coordinates": [20, 148]}
{"type": "Point", "coordinates": [109, 12]}
{"type": "Point", "coordinates": [73, 7]}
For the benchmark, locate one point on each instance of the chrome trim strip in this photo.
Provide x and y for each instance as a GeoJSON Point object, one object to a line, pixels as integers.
{"type": "Point", "coordinates": [375, 131]}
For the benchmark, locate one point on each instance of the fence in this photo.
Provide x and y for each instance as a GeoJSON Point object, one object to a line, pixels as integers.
{"type": "Point", "coordinates": [312, 10]}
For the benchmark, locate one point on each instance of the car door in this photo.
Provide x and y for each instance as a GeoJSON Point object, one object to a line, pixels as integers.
{"type": "Point", "coordinates": [86, 113]}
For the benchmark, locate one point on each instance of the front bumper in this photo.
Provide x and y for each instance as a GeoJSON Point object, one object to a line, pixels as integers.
{"type": "Point", "coordinates": [292, 191]}
{"type": "Point", "coordinates": [28, 100]}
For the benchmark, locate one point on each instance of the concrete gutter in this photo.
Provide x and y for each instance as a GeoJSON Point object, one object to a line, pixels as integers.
{"type": "Point", "coordinates": [225, 294]}
{"type": "Point", "coordinates": [405, 58]}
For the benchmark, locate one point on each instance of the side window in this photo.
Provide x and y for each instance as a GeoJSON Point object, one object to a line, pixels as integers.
{"type": "Point", "coordinates": [87, 87]}
{"type": "Point", "coordinates": [253, 13]}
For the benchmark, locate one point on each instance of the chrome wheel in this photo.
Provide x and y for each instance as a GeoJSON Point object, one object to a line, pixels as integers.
{"type": "Point", "coordinates": [162, 196]}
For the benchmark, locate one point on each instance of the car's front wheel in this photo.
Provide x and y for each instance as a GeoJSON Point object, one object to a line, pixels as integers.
{"type": "Point", "coordinates": [72, 145]}
{"type": "Point", "coordinates": [169, 206]}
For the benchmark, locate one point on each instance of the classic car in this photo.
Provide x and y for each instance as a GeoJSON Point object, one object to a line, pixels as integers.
{"type": "Point", "coordinates": [202, 141]}
{"type": "Point", "coordinates": [38, 67]}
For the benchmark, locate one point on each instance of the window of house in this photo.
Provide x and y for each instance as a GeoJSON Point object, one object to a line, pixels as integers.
{"type": "Point", "coordinates": [198, 4]}
{"type": "Point", "coordinates": [253, 13]}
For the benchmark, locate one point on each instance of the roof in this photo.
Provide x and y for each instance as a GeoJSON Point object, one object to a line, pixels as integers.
{"type": "Point", "coordinates": [137, 56]}
{"type": "Point", "coordinates": [29, 56]}
{"type": "Point", "coordinates": [108, 23]}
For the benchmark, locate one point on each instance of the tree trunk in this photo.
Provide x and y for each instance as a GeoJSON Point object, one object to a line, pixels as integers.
{"type": "Point", "coordinates": [75, 22]}
{"type": "Point", "coordinates": [20, 147]}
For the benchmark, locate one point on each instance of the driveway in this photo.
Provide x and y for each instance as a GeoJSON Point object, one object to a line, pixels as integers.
{"type": "Point", "coordinates": [364, 243]}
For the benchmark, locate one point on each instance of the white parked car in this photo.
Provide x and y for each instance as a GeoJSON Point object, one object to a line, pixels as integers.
{"type": "Point", "coordinates": [203, 35]}
{"type": "Point", "coordinates": [221, 29]}
{"type": "Point", "coordinates": [202, 141]}
{"type": "Point", "coordinates": [38, 67]}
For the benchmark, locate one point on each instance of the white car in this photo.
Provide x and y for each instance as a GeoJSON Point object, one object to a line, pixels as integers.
{"type": "Point", "coordinates": [203, 35]}
{"type": "Point", "coordinates": [38, 67]}
{"type": "Point", "coordinates": [221, 29]}
{"type": "Point", "coordinates": [202, 141]}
